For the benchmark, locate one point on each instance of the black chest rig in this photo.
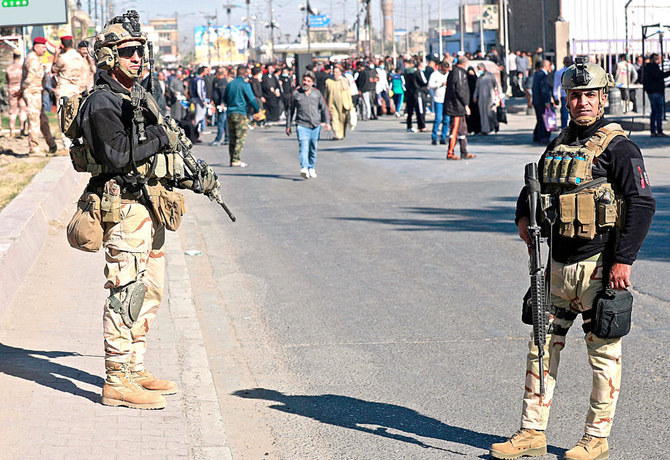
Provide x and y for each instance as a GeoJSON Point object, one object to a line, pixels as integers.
{"type": "Point", "coordinates": [80, 152]}
{"type": "Point", "coordinates": [583, 206]}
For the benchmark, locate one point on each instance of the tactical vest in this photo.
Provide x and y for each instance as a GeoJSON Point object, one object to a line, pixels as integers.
{"type": "Point", "coordinates": [80, 152]}
{"type": "Point", "coordinates": [585, 206]}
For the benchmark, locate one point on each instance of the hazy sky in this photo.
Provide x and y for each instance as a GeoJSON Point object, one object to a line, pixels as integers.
{"type": "Point", "coordinates": [286, 13]}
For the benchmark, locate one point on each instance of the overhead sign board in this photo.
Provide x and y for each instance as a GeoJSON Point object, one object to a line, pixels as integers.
{"type": "Point", "coordinates": [319, 20]}
{"type": "Point", "coordinates": [32, 12]}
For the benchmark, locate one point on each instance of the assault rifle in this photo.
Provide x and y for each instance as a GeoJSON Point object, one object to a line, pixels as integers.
{"type": "Point", "coordinates": [539, 282]}
{"type": "Point", "coordinates": [198, 175]}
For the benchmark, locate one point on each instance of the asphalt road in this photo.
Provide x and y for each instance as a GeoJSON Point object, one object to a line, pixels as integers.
{"type": "Point", "coordinates": [374, 312]}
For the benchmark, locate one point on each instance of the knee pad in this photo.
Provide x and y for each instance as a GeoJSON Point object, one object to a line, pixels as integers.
{"type": "Point", "coordinates": [127, 301]}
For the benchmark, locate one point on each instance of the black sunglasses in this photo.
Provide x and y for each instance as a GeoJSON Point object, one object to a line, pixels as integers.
{"type": "Point", "coordinates": [128, 51]}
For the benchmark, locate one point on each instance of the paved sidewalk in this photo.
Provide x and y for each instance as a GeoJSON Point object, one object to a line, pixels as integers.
{"type": "Point", "coordinates": [52, 371]}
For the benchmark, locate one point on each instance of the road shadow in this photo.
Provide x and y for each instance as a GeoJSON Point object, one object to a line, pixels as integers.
{"type": "Point", "coordinates": [407, 158]}
{"type": "Point", "coordinates": [264, 176]}
{"type": "Point", "coordinates": [36, 366]}
{"type": "Point", "coordinates": [656, 245]}
{"type": "Point", "coordinates": [375, 418]}
{"type": "Point", "coordinates": [490, 219]}
{"type": "Point", "coordinates": [503, 138]}
{"type": "Point", "coordinates": [362, 148]}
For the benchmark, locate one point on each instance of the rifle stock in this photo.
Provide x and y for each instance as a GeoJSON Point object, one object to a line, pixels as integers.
{"type": "Point", "coordinates": [538, 285]}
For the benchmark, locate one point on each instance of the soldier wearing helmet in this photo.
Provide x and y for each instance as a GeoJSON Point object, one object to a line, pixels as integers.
{"type": "Point", "coordinates": [596, 191]}
{"type": "Point", "coordinates": [125, 139]}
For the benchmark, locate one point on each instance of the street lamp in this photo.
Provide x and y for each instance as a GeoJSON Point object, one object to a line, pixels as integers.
{"type": "Point", "coordinates": [308, 10]}
{"type": "Point", "coordinates": [272, 25]}
{"type": "Point", "coordinates": [229, 7]}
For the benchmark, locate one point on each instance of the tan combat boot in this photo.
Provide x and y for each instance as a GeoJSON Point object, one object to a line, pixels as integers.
{"type": "Point", "coordinates": [120, 389]}
{"type": "Point", "coordinates": [589, 448]}
{"type": "Point", "coordinates": [149, 382]}
{"type": "Point", "coordinates": [525, 442]}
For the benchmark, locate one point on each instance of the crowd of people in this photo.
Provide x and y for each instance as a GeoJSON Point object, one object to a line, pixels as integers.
{"type": "Point", "coordinates": [353, 89]}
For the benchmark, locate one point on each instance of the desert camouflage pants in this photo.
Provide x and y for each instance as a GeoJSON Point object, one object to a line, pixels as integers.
{"type": "Point", "coordinates": [238, 124]}
{"type": "Point", "coordinates": [17, 107]}
{"type": "Point", "coordinates": [37, 120]}
{"type": "Point", "coordinates": [133, 251]}
{"type": "Point", "coordinates": [573, 289]}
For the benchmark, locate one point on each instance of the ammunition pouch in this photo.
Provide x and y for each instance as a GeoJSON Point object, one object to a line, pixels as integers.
{"type": "Point", "coordinates": [588, 210]}
{"type": "Point", "coordinates": [111, 202]}
{"type": "Point", "coordinates": [167, 206]}
{"type": "Point", "coordinates": [612, 318]}
{"type": "Point", "coordinates": [127, 301]}
{"type": "Point", "coordinates": [84, 232]}
{"type": "Point", "coordinates": [586, 206]}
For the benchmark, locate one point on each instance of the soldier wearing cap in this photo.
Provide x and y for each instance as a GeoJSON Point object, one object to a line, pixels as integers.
{"type": "Point", "coordinates": [17, 106]}
{"type": "Point", "coordinates": [88, 71]}
{"type": "Point", "coordinates": [594, 178]}
{"type": "Point", "coordinates": [31, 90]}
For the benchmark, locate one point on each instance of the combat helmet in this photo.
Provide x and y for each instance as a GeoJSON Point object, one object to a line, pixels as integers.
{"type": "Point", "coordinates": [116, 31]}
{"type": "Point", "coordinates": [584, 75]}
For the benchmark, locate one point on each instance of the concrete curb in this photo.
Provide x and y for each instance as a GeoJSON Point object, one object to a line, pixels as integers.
{"type": "Point", "coordinates": [205, 428]}
{"type": "Point", "coordinates": [24, 223]}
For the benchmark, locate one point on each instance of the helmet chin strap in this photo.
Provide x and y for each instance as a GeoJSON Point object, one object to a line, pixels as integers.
{"type": "Point", "coordinates": [589, 120]}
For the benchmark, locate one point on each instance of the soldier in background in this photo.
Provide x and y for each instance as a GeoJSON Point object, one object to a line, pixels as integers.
{"type": "Point", "coordinates": [17, 106]}
{"type": "Point", "coordinates": [88, 71]}
{"type": "Point", "coordinates": [68, 67]}
{"type": "Point", "coordinates": [31, 90]}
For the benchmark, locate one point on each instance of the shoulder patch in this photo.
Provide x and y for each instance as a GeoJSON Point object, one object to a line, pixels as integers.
{"type": "Point", "coordinates": [641, 178]}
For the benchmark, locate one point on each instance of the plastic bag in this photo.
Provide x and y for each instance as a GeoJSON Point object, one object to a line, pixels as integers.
{"type": "Point", "coordinates": [549, 118]}
{"type": "Point", "coordinates": [353, 118]}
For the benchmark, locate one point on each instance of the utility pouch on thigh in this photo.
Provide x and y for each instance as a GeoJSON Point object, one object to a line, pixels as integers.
{"type": "Point", "coordinates": [84, 232]}
{"type": "Point", "coordinates": [613, 313]}
{"type": "Point", "coordinates": [168, 207]}
{"type": "Point", "coordinates": [586, 216]}
{"type": "Point", "coordinates": [567, 215]}
{"type": "Point", "coordinates": [111, 202]}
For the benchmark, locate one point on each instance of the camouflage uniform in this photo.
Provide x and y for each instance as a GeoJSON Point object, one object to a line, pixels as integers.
{"type": "Point", "coordinates": [87, 75]}
{"type": "Point", "coordinates": [134, 250]}
{"type": "Point", "coordinates": [17, 106]}
{"type": "Point", "coordinates": [69, 68]}
{"type": "Point", "coordinates": [238, 124]}
{"type": "Point", "coordinates": [31, 85]}
{"type": "Point", "coordinates": [573, 290]}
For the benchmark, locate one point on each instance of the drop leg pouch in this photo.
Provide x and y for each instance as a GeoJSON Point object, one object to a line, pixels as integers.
{"type": "Point", "coordinates": [613, 310]}
{"type": "Point", "coordinates": [84, 232]}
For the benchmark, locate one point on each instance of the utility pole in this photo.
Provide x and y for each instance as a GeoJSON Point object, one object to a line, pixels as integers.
{"type": "Point", "coordinates": [309, 39]}
{"type": "Point", "coordinates": [460, 24]}
{"type": "Point", "coordinates": [369, 27]}
{"type": "Point", "coordinates": [481, 28]}
{"type": "Point", "coordinates": [406, 31]}
{"type": "Point", "coordinates": [272, 32]}
{"type": "Point", "coordinates": [251, 31]}
{"type": "Point", "coordinates": [421, 33]}
{"type": "Point", "coordinates": [229, 7]}
{"type": "Point", "coordinates": [439, 26]}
